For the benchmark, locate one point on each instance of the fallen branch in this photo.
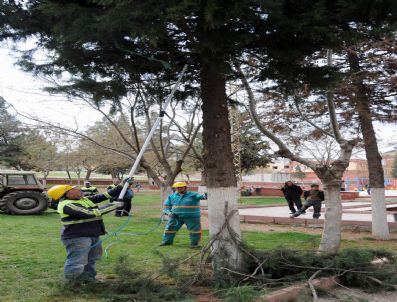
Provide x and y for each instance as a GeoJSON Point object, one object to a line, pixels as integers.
{"type": "Point", "coordinates": [312, 288]}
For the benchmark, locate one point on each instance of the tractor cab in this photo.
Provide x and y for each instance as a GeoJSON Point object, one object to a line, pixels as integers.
{"type": "Point", "coordinates": [21, 193]}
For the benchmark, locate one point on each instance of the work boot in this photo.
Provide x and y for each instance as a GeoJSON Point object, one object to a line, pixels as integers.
{"type": "Point", "coordinates": [195, 246]}
{"type": "Point", "coordinates": [164, 244]}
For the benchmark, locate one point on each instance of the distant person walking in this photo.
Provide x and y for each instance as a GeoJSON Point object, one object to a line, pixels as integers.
{"type": "Point", "coordinates": [368, 188]}
{"type": "Point", "coordinates": [292, 194]}
{"type": "Point", "coordinates": [313, 197]}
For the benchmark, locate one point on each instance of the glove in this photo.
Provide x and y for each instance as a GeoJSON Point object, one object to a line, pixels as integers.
{"type": "Point", "coordinates": [205, 195]}
{"type": "Point", "coordinates": [172, 215]}
{"type": "Point", "coordinates": [128, 179]}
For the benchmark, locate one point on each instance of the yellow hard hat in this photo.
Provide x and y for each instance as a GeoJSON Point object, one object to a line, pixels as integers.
{"type": "Point", "coordinates": [58, 191]}
{"type": "Point", "coordinates": [179, 184]}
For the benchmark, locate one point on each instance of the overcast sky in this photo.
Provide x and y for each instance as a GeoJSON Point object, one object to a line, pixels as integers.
{"type": "Point", "coordinates": [25, 93]}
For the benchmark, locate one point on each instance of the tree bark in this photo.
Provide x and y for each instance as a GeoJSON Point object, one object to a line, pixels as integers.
{"type": "Point", "coordinates": [45, 175]}
{"type": "Point", "coordinates": [331, 177]}
{"type": "Point", "coordinates": [165, 191]}
{"type": "Point", "coordinates": [331, 237]}
{"type": "Point", "coordinates": [114, 174]}
{"type": "Point", "coordinates": [88, 174]}
{"type": "Point", "coordinates": [218, 162]}
{"type": "Point", "coordinates": [380, 227]}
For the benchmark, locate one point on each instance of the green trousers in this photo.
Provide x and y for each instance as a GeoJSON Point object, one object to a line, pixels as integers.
{"type": "Point", "coordinates": [174, 224]}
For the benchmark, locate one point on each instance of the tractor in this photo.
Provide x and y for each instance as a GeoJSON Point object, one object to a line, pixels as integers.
{"type": "Point", "coordinates": [21, 193]}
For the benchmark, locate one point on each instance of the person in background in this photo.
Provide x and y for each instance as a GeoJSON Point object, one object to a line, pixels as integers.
{"type": "Point", "coordinates": [343, 186]}
{"type": "Point", "coordinates": [368, 189]}
{"type": "Point", "coordinates": [115, 183]}
{"type": "Point", "coordinates": [313, 197]}
{"type": "Point", "coordinates": [89, 190]}
{"type": "Point", "coordinates": [138, 186]}
{"type": "Point", "coordinates": [292, 194]}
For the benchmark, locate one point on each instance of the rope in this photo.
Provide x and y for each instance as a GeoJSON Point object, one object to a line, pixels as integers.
{"type": "Point", "coordinates": [119, 232]}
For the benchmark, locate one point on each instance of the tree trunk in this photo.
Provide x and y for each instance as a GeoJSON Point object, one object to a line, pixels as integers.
{"type": "Point", "coordinates": [380, 227]}
{"type": "Point", "coordinates": [114, 174]}
{"type": "Point", "coordinates": [88, 174]}
{"type": "Point", "coordinates": [330, 240]}
{"type": "Point", "coordinates": [218, 161]}
{"type": "Point", "coordinates": [78, 178]}
{"type": "Point", "coordinates": [165, 191]}
{"type": "Point", "coordinates": [331, 177]}
{"type": "Point", "coordinates": [45, 175]}
{"type": "Point", "coordinates": [69, 176]}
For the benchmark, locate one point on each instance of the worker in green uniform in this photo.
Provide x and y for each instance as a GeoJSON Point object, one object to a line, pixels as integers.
{"type": "Point", "coordinates": [89, 190]}
{"type": "Point", "coordinates": [183, 207]}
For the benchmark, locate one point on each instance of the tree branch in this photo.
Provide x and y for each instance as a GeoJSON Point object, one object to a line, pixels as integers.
{"type": "Point", "coordinates": [331, 106]}
{"type": "Point", "coordinates": [296, 102]}
{"type": "Point", "coordinates": [283, 151]}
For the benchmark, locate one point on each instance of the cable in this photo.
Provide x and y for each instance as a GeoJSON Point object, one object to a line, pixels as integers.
{"type": "Point", "coordinates": [118, 232]}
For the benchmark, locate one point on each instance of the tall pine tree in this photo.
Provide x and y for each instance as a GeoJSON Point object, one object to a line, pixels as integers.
{"type": "Point", "coordinates": [106, 46]}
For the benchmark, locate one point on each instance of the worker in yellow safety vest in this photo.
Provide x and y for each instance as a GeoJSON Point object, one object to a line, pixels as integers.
{"type": "Point", "coordinates": [89, 190]}
{"type": "Point", "coordinates": [82, 226]}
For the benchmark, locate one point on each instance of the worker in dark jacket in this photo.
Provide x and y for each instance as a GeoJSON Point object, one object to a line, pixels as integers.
{"type": "Point", "coordinates": [292, 194]}
{"type": "Point", "coordinates": [313, 197]}
{"type": "Point", "coordinates": [115, 183]}
{"type": "Point", "coordinates": [82, 226]}
{"type": "Point", "coordinates": [89, 190]}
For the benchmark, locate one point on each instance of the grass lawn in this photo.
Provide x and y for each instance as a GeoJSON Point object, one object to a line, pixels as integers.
{"type": "Point", "coordinates": [262, 200]}
{"type": "Point", "coordinates": [32, 256]}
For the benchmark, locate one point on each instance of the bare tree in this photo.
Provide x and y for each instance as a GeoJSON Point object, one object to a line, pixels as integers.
{"type": "Point", "coordinates": [40, 154]}
{"type": "Point", "coordinates": [329, 171]}
{"type": "Point", "coordinates": [125, 126]}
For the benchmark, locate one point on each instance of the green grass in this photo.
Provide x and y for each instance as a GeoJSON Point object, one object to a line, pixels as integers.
{"type": "Point", "coordinates": [262, 200]}
{"type": "Point", "coordinates": [32, 256]}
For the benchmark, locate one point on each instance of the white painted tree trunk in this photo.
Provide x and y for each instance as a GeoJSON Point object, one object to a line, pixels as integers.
{"type": "Point", "coordinates": [330, 240]}
{"type": "Point", "coordinates": [226, 246]}
{"type": "Point", "coordinates": [202, 190]}
{"type": "Point", "coordinates": [380, 227]}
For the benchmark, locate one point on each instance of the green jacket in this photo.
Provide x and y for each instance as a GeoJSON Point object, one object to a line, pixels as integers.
{"type": "Point", "coordinates": [185, 205]}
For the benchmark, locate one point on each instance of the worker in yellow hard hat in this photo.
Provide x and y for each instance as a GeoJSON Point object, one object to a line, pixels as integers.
{"type": "Point", "coordinates": [183, 207]}
{"type": "Point", "coordinates": [88, 189]}
{"type": "Point", "coordinates": [82, 226]}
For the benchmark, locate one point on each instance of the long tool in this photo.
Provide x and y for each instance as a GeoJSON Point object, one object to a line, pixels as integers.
{"type": "Point", "coordinates": [149, 137]}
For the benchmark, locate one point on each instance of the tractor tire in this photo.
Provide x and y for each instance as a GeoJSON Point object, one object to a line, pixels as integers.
{"type": "Point", "coordinates": [24, 203]}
